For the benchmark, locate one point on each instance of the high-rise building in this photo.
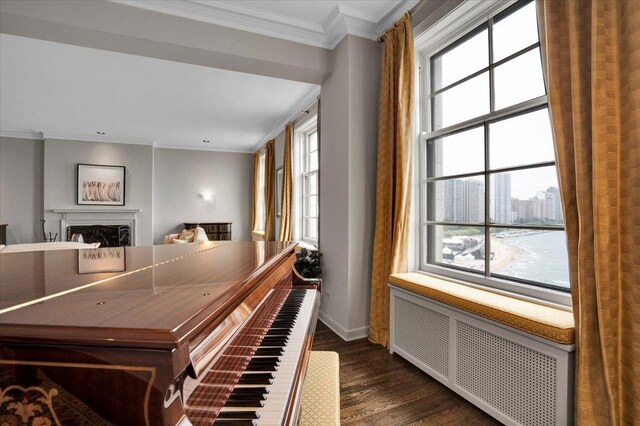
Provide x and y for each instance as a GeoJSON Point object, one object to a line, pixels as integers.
{"type": "Point", "coordinates": [464, 200]}
{"type": "Point", "coordinates": [545, 206]}
{"type": "Point", "coordinates": [553, 204]}
{"type": "Point", "coordinates": [502, 198]}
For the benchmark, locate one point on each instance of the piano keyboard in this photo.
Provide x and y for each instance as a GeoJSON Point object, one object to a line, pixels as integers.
{"type": "Point", "coordinates": [251, 383]}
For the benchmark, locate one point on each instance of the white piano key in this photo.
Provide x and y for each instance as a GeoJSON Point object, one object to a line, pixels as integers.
{"type": "Point", "coordinates": [275, 406]}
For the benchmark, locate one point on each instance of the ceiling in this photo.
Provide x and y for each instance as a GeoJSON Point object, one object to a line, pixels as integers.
{"type": "Point", "coordinates": [318, 23]}
{"type": "Point", "coordinates": [72, 92]}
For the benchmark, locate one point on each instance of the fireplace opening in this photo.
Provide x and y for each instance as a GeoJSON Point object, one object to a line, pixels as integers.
{"type": "Point", "coordinates": [106, 235]}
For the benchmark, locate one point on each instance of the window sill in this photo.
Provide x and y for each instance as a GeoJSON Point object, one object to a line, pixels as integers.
{"type": "Point", "coordinates": [305, 245]}
{"type": "Point", "coordinates": [539, 295]}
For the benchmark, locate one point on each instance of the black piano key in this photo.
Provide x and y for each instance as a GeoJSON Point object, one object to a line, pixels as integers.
{"type": "Point", "coordinates": [257, 397]}
{"type": "Point", "coordinates": [244, 403]}
{"type": "Point", "coordinates": [261, 368]}
{"type": "Point", "coordinates": [265, 359]}
{"type": "Point", "coordinates": [283, 324]}
{"type": "Point", "coordinates": [256, 379]}
{"type": "Point", "coordinates": [269, 352]}
{"type": "Point", "coordinates": [231, 422]}
{"type": "Point", "coordinates": [278, 332]}
{"type": "Point", "coordinates": [252, 390]}
{"type": "Point", "coordinates": [256, 366]}
{"type": "Point", "coordinates": [275, 339]}
{"type": "Point", "coordinates": [240, 415]}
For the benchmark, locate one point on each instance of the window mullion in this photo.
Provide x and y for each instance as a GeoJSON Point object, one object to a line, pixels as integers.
{"type": "Point", "coordinates": [492, 103]}
{"type": "Point", "coordinates": [487, 165]}
{"type": "Point", "coordinates": [487, 203]}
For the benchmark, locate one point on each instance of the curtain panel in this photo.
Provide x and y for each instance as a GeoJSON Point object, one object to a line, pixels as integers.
{"type": "Point", "coordinates": [286, 218]}
{"type": "Point", "coordinates": [591, 53]}
{"type": "Point", "coordinates": [394, 170]}
{"type": "Point", "coordinates": [269, 192]}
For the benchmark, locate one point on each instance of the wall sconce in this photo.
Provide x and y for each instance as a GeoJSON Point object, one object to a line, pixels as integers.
{"type": "Point", "coordinates": [206, 196]}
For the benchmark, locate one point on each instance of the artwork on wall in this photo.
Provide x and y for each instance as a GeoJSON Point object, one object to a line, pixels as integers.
{"type": "Point", "coordinates": [279, 184]}
{"type": "Point", "coordinates": [100, 260]}
{"type": "Point", "coordinates": [100, 185]}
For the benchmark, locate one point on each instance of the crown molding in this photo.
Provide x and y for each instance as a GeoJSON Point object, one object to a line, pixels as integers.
{"type": "Point", "coordinates": [342, 21]}
{"type": "Point", "coordinates": [197, 148]}
{"type": "Point", "coordinates": [21, 134]}
{"type": "Point", "coordinates": [295, 111]}
{"type": "Point", "coordinates": [97, 138]}
{"type": "Point", "coordinates": [393, 14]}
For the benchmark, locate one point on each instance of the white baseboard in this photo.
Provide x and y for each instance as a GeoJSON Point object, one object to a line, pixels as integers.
{"type": "Point", "coordinates": [347, 335]}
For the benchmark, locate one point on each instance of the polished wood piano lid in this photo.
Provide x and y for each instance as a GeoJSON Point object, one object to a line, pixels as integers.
{"type": "Point", "coordinates": [152, 297]}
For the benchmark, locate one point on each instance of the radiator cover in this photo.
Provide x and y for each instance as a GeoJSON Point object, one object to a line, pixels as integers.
{"type": "Point", "coordinates": [516, 377]}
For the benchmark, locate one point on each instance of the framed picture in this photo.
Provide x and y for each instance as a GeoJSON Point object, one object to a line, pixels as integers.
{"type": "Point", "coordinates": [100, 185]}
{"type": "Point", "coordinates": [279, 185]}
{"type": "Point", "coordinates": [101, 260]}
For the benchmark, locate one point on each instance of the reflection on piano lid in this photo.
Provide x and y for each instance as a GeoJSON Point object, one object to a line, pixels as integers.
{"type": "Point", "coordinates": [215, 322]}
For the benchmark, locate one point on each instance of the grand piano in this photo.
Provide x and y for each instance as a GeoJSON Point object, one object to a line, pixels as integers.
{"type": "Point", "coordinates": [191, 334]}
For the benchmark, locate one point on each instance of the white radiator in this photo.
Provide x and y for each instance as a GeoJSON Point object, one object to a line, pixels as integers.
{"type": "Point", "coordinates": [516, 377]}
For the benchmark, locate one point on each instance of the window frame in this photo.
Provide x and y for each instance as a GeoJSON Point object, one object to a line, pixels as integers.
{"type": "Point", "coordinates": [303, 129]}
{"type": "Point", "coordinates": [464, 22]}
{"type": "Point", "coordinates": [261, 201]}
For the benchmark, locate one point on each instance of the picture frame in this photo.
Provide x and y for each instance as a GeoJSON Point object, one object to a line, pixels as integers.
{"type": "Point", "coordinates": [102, 260]}
{"type": "Point", "coordinates": [279, 186]}
{"type": "Point", "coordinates": [100, 185]}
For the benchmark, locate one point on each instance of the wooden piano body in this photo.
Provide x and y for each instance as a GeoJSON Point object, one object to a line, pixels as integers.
{"type": "Point", "coordinates": [115, 335]}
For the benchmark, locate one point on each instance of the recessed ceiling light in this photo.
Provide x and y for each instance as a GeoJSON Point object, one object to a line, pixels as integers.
{"type": "Point", "coordinates": [206, 141]}
{"type": "Point", "coordinates": [101, 133]}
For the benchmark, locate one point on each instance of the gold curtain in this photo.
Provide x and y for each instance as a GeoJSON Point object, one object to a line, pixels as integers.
{"type": "Point", "coordinates": [591, 50]}
{"type": "Point", "coordinates": [256, 183]}
{"type": "Point", "coordinates": [287, 187]}
{"type": "Point", "coordinates": [393, 186]}
{"type": "Point", "coordinates": [269, 192]}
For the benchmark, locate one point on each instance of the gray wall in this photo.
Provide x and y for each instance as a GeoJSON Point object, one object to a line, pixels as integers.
{"type": "Point", "coordinates": [334, 190]}
{"type": "Point", "coordinates": [21, 189]}
{"type": "Point", "coordinates": [31, 187]}
{"type": "Point", "coordinates": [347, 183]}
{"type": "Point", "coordinates": [61, 157]}
{"type": "Point", "coordinates": [180, 176]}
{"type": "Point", "coordinates": [364, 81]}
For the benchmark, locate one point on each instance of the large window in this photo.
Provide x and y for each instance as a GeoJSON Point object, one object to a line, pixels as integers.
{"type": "Point", "coordinates": [309, 181]}
{"type": "Point", "coordinates": [490, 199]}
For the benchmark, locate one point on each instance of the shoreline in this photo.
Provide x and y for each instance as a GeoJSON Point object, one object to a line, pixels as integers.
{"type": "Point", "coordinates": [505, 254]}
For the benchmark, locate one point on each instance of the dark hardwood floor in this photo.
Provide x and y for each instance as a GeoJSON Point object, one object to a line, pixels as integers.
{"type": "Point", "coordinates": [377, 388]}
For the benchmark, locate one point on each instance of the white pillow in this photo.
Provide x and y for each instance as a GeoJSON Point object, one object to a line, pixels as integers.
{"type": "Point", "coordinates": [201, 235]}
{"type": "Point", "coordinates": [179, 241]}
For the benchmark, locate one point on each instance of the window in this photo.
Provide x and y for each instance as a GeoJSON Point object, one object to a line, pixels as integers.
{"type": "Point", "coordinates": [490, 203]}
{"type": "Point", "coordinates": [261, 189]}
{"type": "Point", "coordinates": [309, 185]}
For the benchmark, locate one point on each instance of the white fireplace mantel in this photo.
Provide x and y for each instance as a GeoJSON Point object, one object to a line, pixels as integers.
{"type": "Point", "coordinates": [98, 216]}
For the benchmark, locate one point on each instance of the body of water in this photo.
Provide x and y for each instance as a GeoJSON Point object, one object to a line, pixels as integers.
{"type": "Point", "coordinates": [543, 258]}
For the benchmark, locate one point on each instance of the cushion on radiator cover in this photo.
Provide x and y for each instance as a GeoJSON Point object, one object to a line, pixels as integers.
{"type": "Point", "coordinates": [544, 321]}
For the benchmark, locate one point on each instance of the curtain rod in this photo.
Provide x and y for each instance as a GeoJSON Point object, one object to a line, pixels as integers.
{"type": "Point", "coordinates": [411, 11]}
{"type": "Point", "coordinates": [305, 111]}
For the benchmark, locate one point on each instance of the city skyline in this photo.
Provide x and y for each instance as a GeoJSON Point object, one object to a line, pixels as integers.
{"type": "Point", "coordinates": [464, 202]}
